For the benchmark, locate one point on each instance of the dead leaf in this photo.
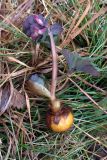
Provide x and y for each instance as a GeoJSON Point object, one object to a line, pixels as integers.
{"type": "Point", "coordinates": [18, 100]}
{"type": "Point", "coordinates": [36, 84]}
{"type": "Point", "coordinates": [5, 97]}
{"type": "Point", "coordinates": [10, 97]}
{"type": "Point", "coordinates": [13, 59]}
{"type": "Point", "coordinates": [80, 64]}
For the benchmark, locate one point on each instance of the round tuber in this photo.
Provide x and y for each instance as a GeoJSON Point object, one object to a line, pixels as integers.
{"type": "Point", "coordinates": [59, 120]}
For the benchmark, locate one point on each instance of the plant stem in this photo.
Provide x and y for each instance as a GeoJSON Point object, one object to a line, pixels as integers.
{"type": "Point", "coordinates": [54, 66]}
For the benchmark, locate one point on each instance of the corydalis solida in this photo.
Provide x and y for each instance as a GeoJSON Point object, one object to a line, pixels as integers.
{"type": "Point", "coordinates": [65, 121]}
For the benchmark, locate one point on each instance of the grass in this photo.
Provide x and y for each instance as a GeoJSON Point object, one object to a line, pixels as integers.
{"type": "Point", "coordinates": [21, 139]}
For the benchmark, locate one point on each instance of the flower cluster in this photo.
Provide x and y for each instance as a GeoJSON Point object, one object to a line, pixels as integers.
{"type": "Point", "coordinates": [35, 26]}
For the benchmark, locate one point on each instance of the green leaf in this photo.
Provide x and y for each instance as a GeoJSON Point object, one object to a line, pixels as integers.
{"type": "Point", "coordinates": [79, 64]}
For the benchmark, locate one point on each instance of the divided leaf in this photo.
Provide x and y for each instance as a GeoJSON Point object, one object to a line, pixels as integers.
{"type": "Point", "coordinates": [36, 84]}
{"type": "Point", "coordinates": [80, 64]}
{"type": "Point", "coordinates": [10, 97]}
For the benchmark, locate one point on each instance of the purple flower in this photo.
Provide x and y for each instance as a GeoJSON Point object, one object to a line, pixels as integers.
{"type": "Point", "coordinates": [35, 26]}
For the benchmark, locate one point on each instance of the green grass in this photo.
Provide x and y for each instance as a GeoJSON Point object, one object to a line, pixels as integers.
{"type": "Point", "coordinates": [86, 140]}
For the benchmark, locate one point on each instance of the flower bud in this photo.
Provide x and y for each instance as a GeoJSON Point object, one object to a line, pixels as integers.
{"type": "Point", "coordinates": [60, 121]}
{"type": "Point", "coordinates": [35, 26]}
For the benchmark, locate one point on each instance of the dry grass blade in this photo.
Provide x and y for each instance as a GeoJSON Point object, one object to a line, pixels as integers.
{"type": "Point", "coordinates": [95, 139]}
{"type": "Point", "coordinates": [81, 1]}
{"type": "Point", "coordinates": [15, 74]}
{"type": "Point", "coordinates": [62, 85]}
{"type": "Point", "coordinates": [21, 10]}
{"type": "Point", "coordinates": [83, 16]}
{"type": "Point", "coordinates": [79, 30]}
{"type": "Point", "coordinates": [9, 150]}
{"type": "Point", "coordinates": [91, 85]}
{"type": "Point", "coordinates": [72, 25]}
{"type": "Point", "coordinates": [86, 94]}
{"type": "Point", "coordinates": [21, 126]}
{"type": "Point", "coordinates": [12, 59]}
{"type": "Point", "coordinates": [28, 108]}
{"type": "Point", "coordinates": [45, 62]}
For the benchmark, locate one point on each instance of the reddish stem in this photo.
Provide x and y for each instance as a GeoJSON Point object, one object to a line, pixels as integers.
{"type": "Point", "coordinates": [54, 66]}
